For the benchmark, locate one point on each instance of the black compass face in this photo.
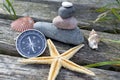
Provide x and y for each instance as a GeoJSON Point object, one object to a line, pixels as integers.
{"type": "Point", "coordinates": [31, 43]}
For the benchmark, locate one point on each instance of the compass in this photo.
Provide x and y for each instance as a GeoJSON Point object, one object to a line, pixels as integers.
{"type": "Point", "coordinates": [31, 43]}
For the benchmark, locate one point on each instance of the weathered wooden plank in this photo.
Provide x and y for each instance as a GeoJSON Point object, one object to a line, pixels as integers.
{"type": "Point", "coordinates": [95, 3]}
{"type": "Point", "coordinates": [11, 69]}
{"type": "Point", "coordinates": [47, 10]}
{"type": "Point", "coordinates": [107, 50]}
{"type": "Point", "coordinates": [6, 48]}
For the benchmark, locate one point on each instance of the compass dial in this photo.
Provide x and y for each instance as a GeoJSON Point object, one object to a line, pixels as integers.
{"type": "Point", "coordinates": [31, 43]}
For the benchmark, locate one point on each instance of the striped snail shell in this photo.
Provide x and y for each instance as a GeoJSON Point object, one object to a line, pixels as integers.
{"type": "Point", "coordinates": [93, 39]}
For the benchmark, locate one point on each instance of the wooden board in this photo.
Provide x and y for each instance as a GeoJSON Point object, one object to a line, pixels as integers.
{"type": "Point", "coordinates": [46, 10]}
{"type": "Point", "coordinates": [11, 69]}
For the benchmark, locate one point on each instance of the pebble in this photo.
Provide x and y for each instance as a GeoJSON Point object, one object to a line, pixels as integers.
{"type": "Point", "coordinates": [69, 23]}
{"type": "Point", "coordinates": [67, 4]}
{"type": "Point", "coordinates": [66, 12]}
{"type": "Point", "coordinates": [73, 36]}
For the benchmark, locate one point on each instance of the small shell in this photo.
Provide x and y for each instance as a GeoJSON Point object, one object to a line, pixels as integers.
{"type": "Point", "coordinates": [93, 39]}
{"type": "Point", "coordinates": [22, 24]}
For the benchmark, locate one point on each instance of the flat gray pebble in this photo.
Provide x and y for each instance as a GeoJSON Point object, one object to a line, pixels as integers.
{"type": "Point", "coordinates": [73, 36]}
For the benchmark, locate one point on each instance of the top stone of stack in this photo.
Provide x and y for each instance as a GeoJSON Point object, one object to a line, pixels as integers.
{"type": "Point", "coordinates": [65, 18]}
{"type": "Point", "coordinates": [67, 4]}
{"type": "Point", "coordinates": [67, 10]}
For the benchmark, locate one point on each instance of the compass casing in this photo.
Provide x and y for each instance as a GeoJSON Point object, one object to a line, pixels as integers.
{"type": "Point", "coordinates": [31, 43]}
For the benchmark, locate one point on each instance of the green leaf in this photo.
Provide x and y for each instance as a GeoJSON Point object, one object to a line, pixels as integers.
{"type": "Point", "coordinates": [103, 64]}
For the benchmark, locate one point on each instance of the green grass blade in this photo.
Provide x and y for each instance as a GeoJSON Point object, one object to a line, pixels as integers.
{"type": "Point", "coordinates": [101, 17]}
{"type": "Point", "coordinates": [118, 1]}
{"type": "Point", "coordinates": [6, 7]}
{"type": "Point", "coordinates": [114, 11]}
{"type": "Point", "coordinates": [106, 7]}
{"type": "Point", "coordinates": [114, 41]}
{"type": "Point", "coordinates": [10, 5]}
{"type": "Point", "coordinates": [102, 9]}
{"type": "Point", "coordinates": [103, 64]}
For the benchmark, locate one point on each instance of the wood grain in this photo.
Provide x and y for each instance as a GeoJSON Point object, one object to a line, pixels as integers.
{"type": "Point", "coordinates": [11, 69]}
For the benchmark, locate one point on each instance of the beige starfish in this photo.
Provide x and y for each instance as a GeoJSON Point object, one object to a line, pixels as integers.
{"type": "Point", "coordinates": [58, 60]}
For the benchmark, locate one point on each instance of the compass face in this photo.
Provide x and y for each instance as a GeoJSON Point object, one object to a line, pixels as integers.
{"type": "Point", "coordinates": [31, 43]}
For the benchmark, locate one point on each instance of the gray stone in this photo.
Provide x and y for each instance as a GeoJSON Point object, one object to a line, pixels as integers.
{"type": "Point", "coordinates": [73, 36]}
{"type": "Point", "coordinates": [66, 12]}
{"type": "Point", "coordinates": [67, 4]}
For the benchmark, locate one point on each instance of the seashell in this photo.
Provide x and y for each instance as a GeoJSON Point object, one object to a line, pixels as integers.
{"type": "Point", "coordinates": [22, 24]}
{"type": "Point", "coordinates": [93, 39]}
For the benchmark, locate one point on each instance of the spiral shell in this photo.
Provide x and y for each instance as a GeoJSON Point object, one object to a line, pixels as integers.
{"type": "Point", "coordinates": [22, 24]}
{"type": "Point", "coordinates": [93, 39]}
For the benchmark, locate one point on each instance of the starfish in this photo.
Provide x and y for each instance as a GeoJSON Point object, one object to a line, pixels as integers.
{"type": "Point", "coordinates": [58, 60]}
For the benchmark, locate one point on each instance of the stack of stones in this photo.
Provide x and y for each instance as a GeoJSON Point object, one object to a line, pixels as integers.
{"type": "Point", "coordinates": [65, 19]}
{"type": "Point", "coordinates": [64, 26]}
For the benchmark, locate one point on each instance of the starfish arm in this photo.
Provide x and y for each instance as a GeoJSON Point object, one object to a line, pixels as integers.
{"type": "Point", "coordinates": [52, 48]}
{"type": "Point", "coordinates": [38, 60]}
{"type": "Point", "coordinates": [74, 67]}
{"type": "Point", "coordinates": [68, 54]}
{"type": "Point", "coordinates": [54, 70]}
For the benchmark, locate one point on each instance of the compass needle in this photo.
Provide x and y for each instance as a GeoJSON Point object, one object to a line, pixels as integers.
{"type": "Point", "coordinates": [33, 49]}
{"type": "Point", "coordinates": [31, 44]}
{"type": "Point", "coordinates": [30, 40]}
